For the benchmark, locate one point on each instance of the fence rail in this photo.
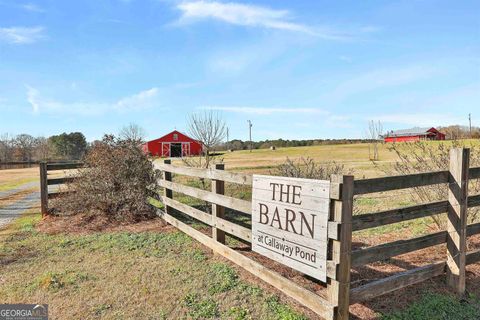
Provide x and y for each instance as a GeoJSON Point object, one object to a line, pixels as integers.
{"type": "Point", "coordinates": [45, 181]}
{"type": "Point", "coordinates": [341, 225]}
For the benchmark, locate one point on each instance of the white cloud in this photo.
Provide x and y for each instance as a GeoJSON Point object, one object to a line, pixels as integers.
{"type": "Point", "coordinates": [142, 100]}
{"type": "Point", "coordinates": [139, 101]}
{"type": "Point", "coordinates": [21, 35]}
{"type": "Point", "coordinates": [251, 16]}
{"type": "Point", "coordinates": [31, 7]}
{"type": "Point", "coordinates": [32, 97]}
{"type": "Point", "coordinates": [266, 111]}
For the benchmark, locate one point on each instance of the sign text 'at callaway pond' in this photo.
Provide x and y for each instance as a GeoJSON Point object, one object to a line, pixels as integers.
{"type": "Point", "coordinates": [289, 222]}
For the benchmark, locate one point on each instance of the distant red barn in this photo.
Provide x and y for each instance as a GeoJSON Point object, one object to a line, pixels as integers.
{"type": "Point", "coordinates": [414, 134]}
{"type": "Point", "coordinates": [174, 144]}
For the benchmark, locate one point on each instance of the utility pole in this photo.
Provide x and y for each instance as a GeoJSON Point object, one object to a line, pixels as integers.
{"type": "Point", "coordinates": [227, 139]}
{"type": "Point", "coordinates": [250, 133]}
{"type": "Point", "coordinates": [470, 124]}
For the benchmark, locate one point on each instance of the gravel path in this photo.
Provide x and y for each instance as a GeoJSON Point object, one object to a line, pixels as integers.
{"type": "Point", "coordinates": [29, 185]}
{"type": "Point", "coordinates": [14, 210]}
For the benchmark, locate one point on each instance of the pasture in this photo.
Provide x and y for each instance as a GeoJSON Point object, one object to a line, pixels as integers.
{"type": "Point", "coordinates": [93, 269]}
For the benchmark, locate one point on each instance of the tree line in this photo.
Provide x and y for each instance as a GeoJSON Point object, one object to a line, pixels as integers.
{"type": "Point", "coordinates": [27, 148]}
{"type": "Point", "coordinates": [237, 144]}
{"type": "Point", "coordinates": [455, 132]}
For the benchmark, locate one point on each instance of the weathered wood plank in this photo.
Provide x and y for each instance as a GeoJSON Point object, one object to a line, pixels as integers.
{"type": "Point", "coordinates": [55, 195]}
{"type": "Point", "coordinates": [309, 299]}
{"type": "Point", "coordinates": [474, 201]}
{"type": "Point", "coordinates": [167, 193]}
{"type": "Point", "coordinates": [399, 182]}
{"type": "Point", "coordinates": [188, 210]}
{"type": "Point", "coordinates": [473, 257]}
{"type": "Point", "coordinates": [372, 220]}
{"type": "Point", "coordinates": [218, 187]}
{"type": "Point", "coordinates": [395, 282]}
{"type": "Point", "coordinates": [64, 166]}
{"type": "Point", "coordinates": [60, 180]}
{"type": "Point", "coordinates": [392, 249]}
{"type": "Point", "coordinates": [339, 288]}
{"type": "Point", "coordinates": [473, 229]}
{"type": "Point", "coordinates": [457, 219]}
{"type": "Point", "coordinates": [226, 201]}
{"type": "Point", "coordinates": [474, 173]}
{"type": "Point", "coordinates": [213, 174]}
{"type": "Point", "coordinates": [43, 189]}
{"type": "Point", "coordinates": [227, 226]}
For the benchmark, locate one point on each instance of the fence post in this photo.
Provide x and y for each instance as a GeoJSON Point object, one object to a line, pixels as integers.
{"type": "Point", "coordinates": [218, 187]}
{"type": "Point", "coordinates": [168, 193]}
{"type": "Point", "coordinates": [457, 218]}
{"type": "Point", "coordinates": [43, 188]}
{"type": "Point", "coordinates": [342, 208]}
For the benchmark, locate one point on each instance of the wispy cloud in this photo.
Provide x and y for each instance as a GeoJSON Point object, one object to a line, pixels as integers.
{"type": "Point", "coordinates": [252, 16]}
{"type": "Point", "coordinates": [21, 35]}
{"type": "Point", "coordinates": [31, 7]}
{"type": "Point", "coordinates": [265, 111]}
{"type": "Point", "coordinates": [382, 78]}
{"type": "Point", "coordinates": [418, 119]}
{"type": "Point", "coordinates": [140, 101]}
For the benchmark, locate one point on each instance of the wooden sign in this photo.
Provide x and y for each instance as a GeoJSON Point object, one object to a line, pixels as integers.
{"type": "Point", "coordinates": [289, 222]}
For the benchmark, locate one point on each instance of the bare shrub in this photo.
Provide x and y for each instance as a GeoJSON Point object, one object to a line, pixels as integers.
{"type": "Point", "coordinates": [113, 182]}
{"type": "Point", "coordinates": [309, 169]}
{"type": "Point", "coordinates": [423, 156]}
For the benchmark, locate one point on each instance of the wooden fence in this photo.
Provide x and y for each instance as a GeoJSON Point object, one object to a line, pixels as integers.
{"type": "Point", "coordinates": [18, 164]}
{"type": "Point", "coordinates": [45, 181]}
{"type": "Point", "coordinates": [341, 258]}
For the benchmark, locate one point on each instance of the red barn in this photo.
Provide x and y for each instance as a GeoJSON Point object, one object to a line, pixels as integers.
{"type": "Point", "coordinates": [174, 144]}
{"type": "Point", "coordinates": [414, 134]}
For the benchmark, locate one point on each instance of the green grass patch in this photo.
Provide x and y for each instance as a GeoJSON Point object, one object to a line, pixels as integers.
{"type": "Point", "coordinates": [15, 184]}
{"type": "Point", "coordinates": [281, 311]}
{"type": "Point", "coordinates": [201, 308]}
{"type": "Point", "coordinates": [439, 307]}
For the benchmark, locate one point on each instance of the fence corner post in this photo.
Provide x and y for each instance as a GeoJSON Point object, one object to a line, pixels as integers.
{"type": "Point", "coordinates": [168, 193]}
{"type": "Point", "coordinates": [342, 209]}
{"type": "Point", "coordinates": [218, 187]}
{"type": "Point", "coordinates": [43, 188]}
{"type": "Point", "coordinates": [457, 218]}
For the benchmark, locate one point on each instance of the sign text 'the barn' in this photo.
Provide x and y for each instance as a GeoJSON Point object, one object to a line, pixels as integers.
{"type": "Point", "coordinates": [289, 222]}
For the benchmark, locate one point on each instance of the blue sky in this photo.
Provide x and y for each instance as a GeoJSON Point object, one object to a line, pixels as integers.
{"type": "Point", "coordinates": [297, 69]}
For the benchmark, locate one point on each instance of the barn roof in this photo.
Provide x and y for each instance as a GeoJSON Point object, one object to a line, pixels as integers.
{"type": "Point", "coordinates": [410, 132]}
{"type": "Point", "coordinates": [177, 132]}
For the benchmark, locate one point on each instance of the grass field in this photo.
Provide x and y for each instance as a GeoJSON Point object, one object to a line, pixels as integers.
{"type": "Point", "coordinates": [160, 273]}
{"type": "Point", "coordinates": [125, 275]}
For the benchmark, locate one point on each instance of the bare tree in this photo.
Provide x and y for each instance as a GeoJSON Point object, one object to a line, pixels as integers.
{"type": "Point", "coordinates": [42, 149]}
{"type": "Point", "coordinates": [209, 129]}
{"type": "Point", "coordinates": [132, 133]}
{"type": "Point", "coordinates": [374, 132]}
{"type": "Point", "coordinates": [6, 148]}
{"type": "Point", "coordinates": [24, 147]}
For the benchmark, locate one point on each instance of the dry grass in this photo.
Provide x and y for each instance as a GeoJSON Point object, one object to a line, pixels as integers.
{"type": "Point", "coordinates": [125, 275]}
{"type": "Point", "coordinates": [12, 178]}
